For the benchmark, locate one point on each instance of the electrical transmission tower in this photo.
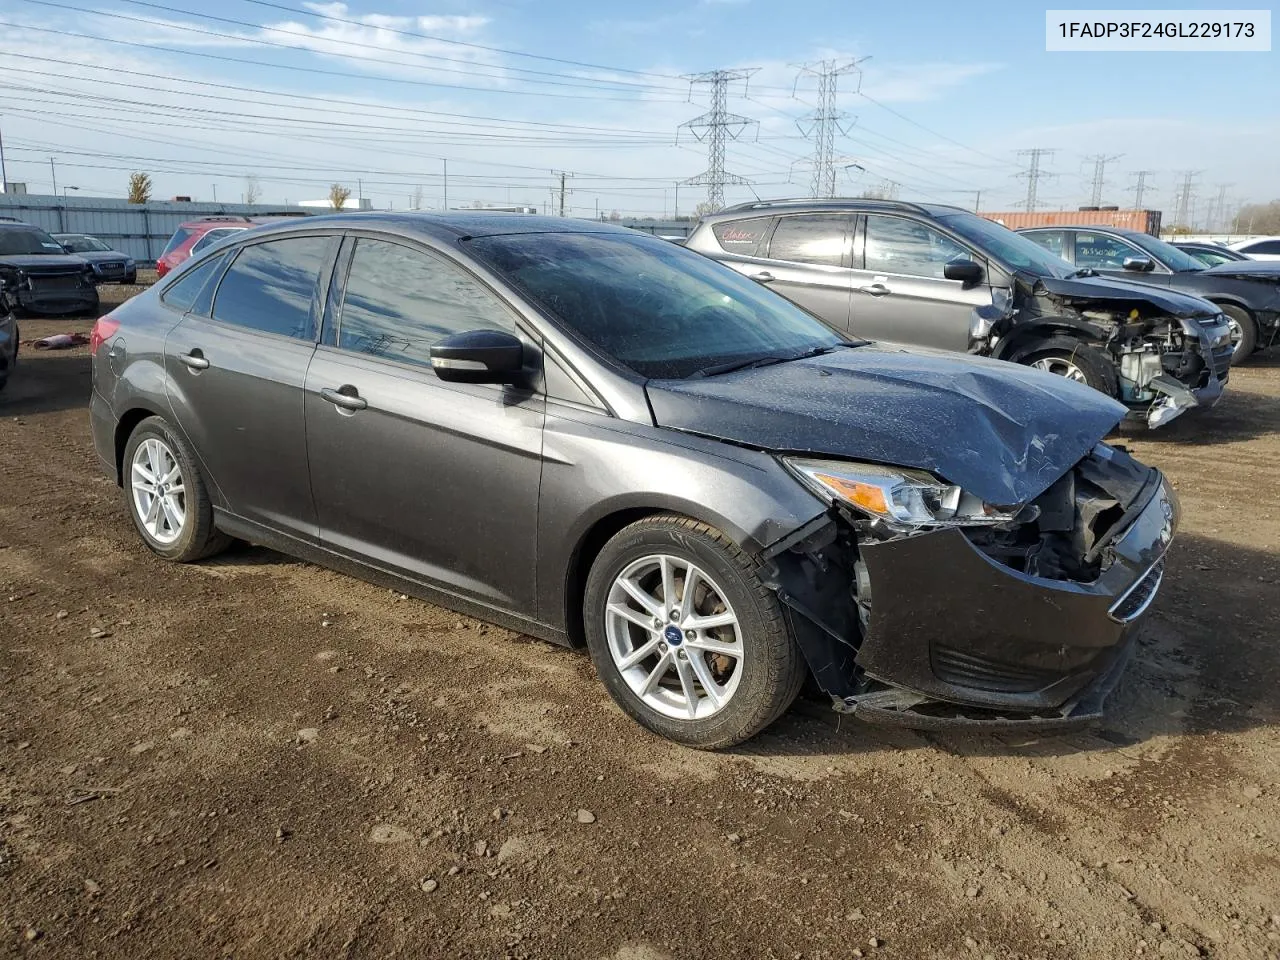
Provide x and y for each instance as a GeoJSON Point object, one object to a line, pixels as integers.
{"type": "Point", "coordinates": [1218, 215]}
{"type": "Point", "coordinates": [1100, 162]}
{"type": "Point", "coordinates": [1140, 188]}
{"type": "Point", "coordinates": [822, 125]}
{"type": "Point", "coordinates": [715, 127]}
{"type": "Point", "coordinates": [1034, 174]}
{"type": "Point", "coordinates": [1183, 203]}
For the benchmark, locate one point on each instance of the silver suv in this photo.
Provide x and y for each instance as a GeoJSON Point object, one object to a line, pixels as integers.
{"type": "Point", "coordinates": [936, 276]}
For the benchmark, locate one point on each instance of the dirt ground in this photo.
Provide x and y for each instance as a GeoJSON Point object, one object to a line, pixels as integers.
{"type": "Point", "coordinates": [253, 757]}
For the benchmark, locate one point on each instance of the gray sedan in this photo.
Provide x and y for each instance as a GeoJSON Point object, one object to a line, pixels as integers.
{"type": "Point", "coordinates": [601, 438]}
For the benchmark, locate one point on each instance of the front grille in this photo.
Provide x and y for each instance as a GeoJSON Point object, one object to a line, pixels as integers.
{"type": "Point", "coordinates": [113, 266]}
{"type": "Point", "coordinates": [981, 673]}
{"type": "Point", "coordinates": [55, 283]}
{"type": "Point", "coordinates": [1139, 596]}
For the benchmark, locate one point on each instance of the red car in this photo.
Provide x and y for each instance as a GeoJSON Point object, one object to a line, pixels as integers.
{"type": "Point", "coordinates": [195, 235]}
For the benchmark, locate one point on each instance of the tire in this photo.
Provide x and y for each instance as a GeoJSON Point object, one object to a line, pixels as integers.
{"type": "Point", "coordinates": [1244, 332]}
{"type": "Point", "coordinates": [752, 685]}
{"type": "Point", "coordinates": [153, 442]}
{"type": "Point", "coordinates": [1076, 360]}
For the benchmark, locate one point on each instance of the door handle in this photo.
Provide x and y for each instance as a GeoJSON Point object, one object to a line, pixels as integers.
{"type": "Point", "coordinates": [764, 276]}
{"type": "Point", "coordinates": [875, 289]}
{"type": "Point", "coordinates": [195, 359]}
{"type": "Point", "coordinates": [345, 396]}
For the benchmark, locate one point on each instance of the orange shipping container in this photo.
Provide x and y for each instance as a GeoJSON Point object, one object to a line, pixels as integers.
{"type": "Point", "coordinates": [1146, 221]}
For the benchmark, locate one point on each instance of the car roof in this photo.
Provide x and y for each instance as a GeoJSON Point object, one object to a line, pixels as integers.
{"type": "Point", "coordinates": [818, 204]}
{"type": "Point", "coordinates": [451, 226]}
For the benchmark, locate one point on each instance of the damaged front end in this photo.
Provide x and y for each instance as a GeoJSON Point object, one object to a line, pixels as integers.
{"type": "Point", "coordinates": [920, 605]}
{"type": "Point", "coordinates": [1167, 358]}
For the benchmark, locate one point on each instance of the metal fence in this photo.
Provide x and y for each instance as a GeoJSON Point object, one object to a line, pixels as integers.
{"type": "Point", "coordinates": [139, 230]}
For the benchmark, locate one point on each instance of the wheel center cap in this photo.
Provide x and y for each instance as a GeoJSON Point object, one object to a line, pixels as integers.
{"type": "Point", "coordinates": [673, 635]}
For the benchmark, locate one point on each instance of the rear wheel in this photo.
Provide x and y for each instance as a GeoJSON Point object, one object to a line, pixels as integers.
{"type": "Point", "coordinates": [686, 637]}
{"type": "Point", "coordinates": [1074, 360]}
{"type": "Point", "coordinates": [166, 495]}
{"type": "Point", "coordinates": [1244, 333]}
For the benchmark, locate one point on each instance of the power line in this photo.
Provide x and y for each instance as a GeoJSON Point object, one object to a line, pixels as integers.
{"type": "Point", "coordinates": [1034, 174]}
{"type": "Point", "coordinates": [825, 121]}
{"type": "Point", "coordinates": [1182, 215]}
{"type": "Point", "coordinates": [1100, 162]}
{"type": "Point", "coordinates": [715, 126]}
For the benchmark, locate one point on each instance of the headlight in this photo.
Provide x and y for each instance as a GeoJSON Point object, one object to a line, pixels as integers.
{"type": "Point", "coordinates": [129, 263]}
{"type": "Point", "coordinates": [909, 498]}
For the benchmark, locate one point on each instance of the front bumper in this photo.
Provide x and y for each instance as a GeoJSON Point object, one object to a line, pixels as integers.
{"type": "Point", "coordinates": [1011, 647]}
{"type": "Point", "coordinates": [58, 302]}
{"type": "Point", "coordinates": [1201, 377]}
{"type": "Point", "coordinates": [114, 272]}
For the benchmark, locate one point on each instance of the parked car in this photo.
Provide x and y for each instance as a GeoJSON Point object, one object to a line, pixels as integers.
{"type": "Point", "coordinates": [1249, 296]}
{"type": "Point", "coordinates": [196, 236]}
{"type": "Point", "coordinates": [1259, 248]}
{"type": "Point", "coordinates": [38, 276]}
{"type": "Point", "coordinates": [595, 436]}
{"type": "Point", "coordinates": [109, 266]}
{"type": "Point", "coordinates": [938, 276]}
{"type": "Point", "coordinates": [1210, 254]}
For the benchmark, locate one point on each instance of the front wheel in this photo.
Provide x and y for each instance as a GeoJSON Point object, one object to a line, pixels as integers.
{"type": "Point", "coordinates": [166, 495]}
{"type": "Point", "coordinates": [686, 637]}
{"type": "Point", "coordinates": [1074, 360]}
{"type": "Point", "coordinates": [1244, 333]}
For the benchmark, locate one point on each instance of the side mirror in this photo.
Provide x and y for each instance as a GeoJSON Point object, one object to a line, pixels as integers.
{"type": "Point", "coordinates": [479, 356]}
{"type": "Point", "coordinates": [970, 274]}
{"type": "Point", "coordinates": [1139, 264]}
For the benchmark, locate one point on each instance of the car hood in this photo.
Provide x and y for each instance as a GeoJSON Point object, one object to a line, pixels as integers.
{"type": "Point", "coordinates": [1002, 432]}
{"type": "Point", "coordinates": [36, 261]}
{"type": "Point", "coordinates": [103, 256]}
{"type": "Point", "coordinates": [1105, 288]}
{"type": "Point", "coordinates": [1246, 270]}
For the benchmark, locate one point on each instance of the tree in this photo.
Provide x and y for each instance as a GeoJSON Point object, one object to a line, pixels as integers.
{"type": "Point", "coordinates": [338, 196]}
{"type": "Point", "coordinates": [614, 216]}
{"type": "Point", "coordinates": [252, 190]}
{"type": "Point", "coordinates": [1258, 218]}
{"type": "Point", "coordinates": [704, 209]}
{"type": "Point", "coordinates": [139, 187]}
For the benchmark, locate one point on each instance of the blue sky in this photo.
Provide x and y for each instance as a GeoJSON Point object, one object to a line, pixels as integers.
{"type": "Point", "coordinates": [380, 94]}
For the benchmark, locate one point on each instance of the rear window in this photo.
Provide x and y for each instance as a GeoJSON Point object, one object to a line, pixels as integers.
{"type": "Point", "coordinates": [741, 236]}
{"type": "Point", "coordinates": [180, 236]}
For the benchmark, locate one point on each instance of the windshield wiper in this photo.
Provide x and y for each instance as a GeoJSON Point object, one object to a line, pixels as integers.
{"type": "Point", "coordinates": [1082, 272]}
{"type": "Point", "coordinates": [755, 362]}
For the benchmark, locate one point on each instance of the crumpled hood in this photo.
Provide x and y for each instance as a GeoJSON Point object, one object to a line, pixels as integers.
{"type": "Point", "coordinates": [1106, 288]}
{"type": "Point", "coordinates": [1001, 431]}
{"type": "Point", "coordinates": [1246, 270]}
{"type": "Point", "coordinates": [34, 262]}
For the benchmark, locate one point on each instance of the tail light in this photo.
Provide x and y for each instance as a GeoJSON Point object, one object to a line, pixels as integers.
{"type": "Point", "coordinates": [104, 328]}
{"type": "Point", "coordinates": [161, 268]}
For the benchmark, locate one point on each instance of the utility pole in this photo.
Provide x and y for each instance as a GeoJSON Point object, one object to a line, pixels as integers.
{"type": "Point", "coordinates": [1034, 174]}
{"type": "Point", "coordinates": [4, 179]}
{"type": "Point", "coordinates": [215, 192]}
{"type": "Point", "coordinates": [1140, 188]}
{"type": "Point", "coordinates": [1183, 205]}
{"type": "Point", "coordinates": [1100, 162]}
{"type": "Point", "coordinates": [54, 171]}
{"type": "Point", "coordinates": [677, 200]}
{"type": "Point", "coordinates": [446, 185]}
{"type": "Point", "coordinates": [562, 191]}
{"type": "Point", "coordinates": [977, 200]}
{"type": "Point", "coordinates": [822, 124]}
{"type": "Point", "coordinates": [715, 127]}
{"type": "Point", "coordinates": [359, 193]}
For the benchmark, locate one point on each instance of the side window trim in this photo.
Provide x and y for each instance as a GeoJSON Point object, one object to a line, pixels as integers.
{"type": "Point", "coordinates": [336, 291]}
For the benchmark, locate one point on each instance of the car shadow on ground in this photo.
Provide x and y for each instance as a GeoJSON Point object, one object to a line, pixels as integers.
{"type": "Point", "coordinates": [1206, 664]}
{"type": "Point", "coordinates": [46, 382]}
{"type": "Point", "coordinates": [1240, 415]}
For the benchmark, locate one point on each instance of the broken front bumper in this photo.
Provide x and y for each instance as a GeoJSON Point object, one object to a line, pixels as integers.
{"type": "Point", "coordinates": [1206, 368]}
{"type": "Point", "coordinates": [957, 638]}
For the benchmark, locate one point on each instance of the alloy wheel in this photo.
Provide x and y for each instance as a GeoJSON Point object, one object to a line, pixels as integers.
{"type": "Point", "coordinates": [159, 496]}
{"type": "Point", "coordinates": [674, 637]}
{"type": "Point", "coordinates": [1060, 367]}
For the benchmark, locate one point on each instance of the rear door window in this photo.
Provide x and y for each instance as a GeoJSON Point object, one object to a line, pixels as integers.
{"type": "Point", "coordinates": [184, 291]}
{"type": "Point", "coordinates": [1265, 246]}
{"type": "Point", "coordinates": [274, 287]}
{"type": "Point", "coordinates": [817, 238]}
{"type": "Point", "coordinates": [399, 301]}
{"type": "Point", "coordinates": [1103, 252]}
{"type": "Point", "coordinates": [742, 237]}
{"type": "Point", "coordinates": [909, 248]}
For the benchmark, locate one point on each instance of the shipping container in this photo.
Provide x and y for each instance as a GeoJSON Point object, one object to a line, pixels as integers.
{"type": "Point", "coordinates": [1144, 221]}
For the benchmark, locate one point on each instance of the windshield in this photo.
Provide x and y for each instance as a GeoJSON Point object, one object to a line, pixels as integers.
{"type": "Point", "coordinates": [655, 307]}
{"type": "Point", "coordinates": [1003, 244]}
{"type": "Point", "coordinates": [1177, 260]}
{"type": "Point", "coordinates": [31, 240]}
{"type": "Point", "coordinates": [78, 244]}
